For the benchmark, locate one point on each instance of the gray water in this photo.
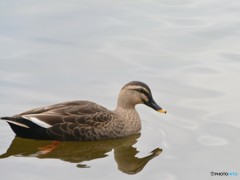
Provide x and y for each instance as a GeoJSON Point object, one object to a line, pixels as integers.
{"type": "Point", "coordinates": [187, 51]}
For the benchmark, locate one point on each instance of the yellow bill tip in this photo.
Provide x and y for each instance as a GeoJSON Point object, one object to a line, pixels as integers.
{"type": "Point", "coordinates": [162, 111]}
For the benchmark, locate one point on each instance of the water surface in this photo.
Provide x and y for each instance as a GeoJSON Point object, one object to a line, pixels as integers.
{"type": "Point", "coordinates": [187, 51]}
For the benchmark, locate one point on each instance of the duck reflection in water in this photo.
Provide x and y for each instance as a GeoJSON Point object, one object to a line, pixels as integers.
{"type": "Point", "coordinates": [78, 152]}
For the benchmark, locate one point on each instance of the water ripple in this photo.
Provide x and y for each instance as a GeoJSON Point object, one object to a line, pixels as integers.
{"type": "Point", "coordinates": [212, 141]}
{"type": "Point", "coordinates": [185, 123]}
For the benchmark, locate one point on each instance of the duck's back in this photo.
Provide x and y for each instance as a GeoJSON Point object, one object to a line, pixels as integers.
{"type": "Point", "coordinates": [69, 107]}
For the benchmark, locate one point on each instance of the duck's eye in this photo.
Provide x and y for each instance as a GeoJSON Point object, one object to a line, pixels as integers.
{"type": "Point", "coordinates": [141, 91]}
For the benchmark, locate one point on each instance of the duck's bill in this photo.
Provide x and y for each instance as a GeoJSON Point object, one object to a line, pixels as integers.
{"type": "Point", "coordinates": [151, 103]}
{"type": "Point", "coordinates": [162, 111]}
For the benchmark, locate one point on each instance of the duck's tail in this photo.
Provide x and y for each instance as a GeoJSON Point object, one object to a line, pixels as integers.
{"type": "Point", "coordinates": [25, 128]}
{"type": "Point", "coordinates": [14, 121]}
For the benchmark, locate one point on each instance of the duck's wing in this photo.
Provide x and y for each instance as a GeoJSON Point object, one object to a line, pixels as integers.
{"type": "Point", "coordinates": [79, 112]}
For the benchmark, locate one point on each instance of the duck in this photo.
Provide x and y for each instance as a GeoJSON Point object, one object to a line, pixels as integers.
{"type": "Point", "coordinates": [82, 120]}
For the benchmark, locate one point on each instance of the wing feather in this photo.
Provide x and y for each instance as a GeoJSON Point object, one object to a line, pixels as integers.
{"type": "Point", "coordinates": [77, 112]}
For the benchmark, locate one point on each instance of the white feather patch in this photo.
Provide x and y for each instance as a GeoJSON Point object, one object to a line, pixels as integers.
{"type": "Point", "coordinates": [17, 123]}
{"type": "Point", "coordinates": [37, 121]}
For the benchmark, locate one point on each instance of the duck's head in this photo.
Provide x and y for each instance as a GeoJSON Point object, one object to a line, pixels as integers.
{"type": "Point", "coordinates": [137, 92]}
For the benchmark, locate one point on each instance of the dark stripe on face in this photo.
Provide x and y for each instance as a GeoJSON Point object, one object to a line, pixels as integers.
{"type": "Point", "coordinates": [149, 96]}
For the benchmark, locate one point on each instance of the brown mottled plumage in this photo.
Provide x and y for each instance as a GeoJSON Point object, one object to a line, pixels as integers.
{"type": "Point", "coordinates": [84, 120]}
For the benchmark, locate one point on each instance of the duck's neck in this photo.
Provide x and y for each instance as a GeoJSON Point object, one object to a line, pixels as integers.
{"type": "Point", "coordinates": [128, 116]}
{"type": "Point", "coordinates": [130, 120]}
{"type": "Point", "coordinates": [126, 110]}
{"type": "Point", "coordinates": [124, 103]}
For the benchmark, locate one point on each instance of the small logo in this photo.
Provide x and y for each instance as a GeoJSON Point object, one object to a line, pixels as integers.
{"type": "Point", "coordinates": [229, 173]}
